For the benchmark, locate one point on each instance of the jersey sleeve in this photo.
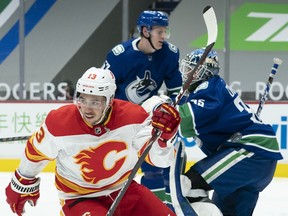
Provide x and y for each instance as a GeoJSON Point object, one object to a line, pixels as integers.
{"type": "Point", "coordinates": [118, 59]}
{"type": "Point", "coordinates": [39, 151]}
{"type": "Point", "coordinates": [111, 63]}
{"type": "Point", "coordinates": [173, 79]}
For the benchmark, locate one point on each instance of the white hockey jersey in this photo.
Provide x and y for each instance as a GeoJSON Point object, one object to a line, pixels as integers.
{"type": "Point", "coordinates": [92, 161]}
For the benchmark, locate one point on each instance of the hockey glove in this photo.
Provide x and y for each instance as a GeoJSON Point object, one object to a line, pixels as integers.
{"type": "Point", "coordinates": [167, 119]}
{"type": "Point", "coordinates": [154, 102]}
{"type": "Point", "coordinates": [20, 190]}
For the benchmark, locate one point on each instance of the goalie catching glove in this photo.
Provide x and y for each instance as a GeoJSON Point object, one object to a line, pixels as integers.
{"type": "Point", "coordinates": [20, 190]}
{"type": "Point", "coordinates": [166, 119]}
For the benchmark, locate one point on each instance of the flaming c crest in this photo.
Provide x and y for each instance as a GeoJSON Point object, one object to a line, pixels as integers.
{"type": "Point", "coordinates": [101, 162]}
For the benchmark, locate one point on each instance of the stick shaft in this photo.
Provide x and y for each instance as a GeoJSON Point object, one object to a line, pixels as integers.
{"type": "Point", "coordinates": [12, 139]}
{"type": "Point", "coordinates": [276, 63]}
{"type": "Point", "coordinates": [132, 174]}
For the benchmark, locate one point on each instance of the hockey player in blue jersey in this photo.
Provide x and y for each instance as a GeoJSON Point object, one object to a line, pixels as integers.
{"type": "Point", "coordinates": [141, 65]}
{"type": "Point", "coordinates": [241, 150]}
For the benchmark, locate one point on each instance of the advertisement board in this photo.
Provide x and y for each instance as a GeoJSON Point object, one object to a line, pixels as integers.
{"type": "Point", "coordinates": [22, 119]}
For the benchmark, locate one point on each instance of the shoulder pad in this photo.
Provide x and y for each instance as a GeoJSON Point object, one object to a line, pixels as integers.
{"type": "Point", "coordinates": [117, 50]}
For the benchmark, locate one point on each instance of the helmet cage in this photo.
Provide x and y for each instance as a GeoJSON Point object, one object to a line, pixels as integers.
{"type": "Point", "coordinates": [209, 68]}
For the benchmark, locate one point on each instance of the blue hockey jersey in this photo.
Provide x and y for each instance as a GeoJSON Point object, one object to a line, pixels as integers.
{"type": "Point", "coordinates": [215, 112]}
{"type": "Point", "coordinates": [140, 76]}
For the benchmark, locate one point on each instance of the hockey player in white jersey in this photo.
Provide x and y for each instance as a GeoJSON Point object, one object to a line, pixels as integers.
{"type": "Point", "coordinates": [96, 142]}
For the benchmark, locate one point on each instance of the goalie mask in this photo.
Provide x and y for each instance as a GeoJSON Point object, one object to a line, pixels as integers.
{"type": "Point", "coordinates": [98, 82]}
{"type": "Point", "coordinates": [209, 68]}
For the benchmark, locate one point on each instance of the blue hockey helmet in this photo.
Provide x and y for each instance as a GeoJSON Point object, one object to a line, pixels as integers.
{"type": "Point", "coordinates": [209, 68]}
{"type": "Point", "coordinates": [152, 18]}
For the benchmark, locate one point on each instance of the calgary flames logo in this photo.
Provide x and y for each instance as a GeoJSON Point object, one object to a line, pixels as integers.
{"type": "Point", "coordinates": [102, 161]}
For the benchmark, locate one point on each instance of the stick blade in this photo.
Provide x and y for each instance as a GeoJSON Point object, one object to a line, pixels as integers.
{"type": "Point", "coordinates": [212, 30]}
{"type": "Point", "coordinates": [211, 24]}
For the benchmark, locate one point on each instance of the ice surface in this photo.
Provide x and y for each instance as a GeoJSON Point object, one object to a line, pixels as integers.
{"type": "Point", "coordinates": [273, 200]}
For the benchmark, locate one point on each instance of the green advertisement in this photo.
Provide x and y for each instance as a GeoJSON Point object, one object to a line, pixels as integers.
{"type": "Point", "coordinates": [254, 27]}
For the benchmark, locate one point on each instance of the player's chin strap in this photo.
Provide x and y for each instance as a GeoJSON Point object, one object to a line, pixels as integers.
{"type": "Point", "coordinates": [149, 39]}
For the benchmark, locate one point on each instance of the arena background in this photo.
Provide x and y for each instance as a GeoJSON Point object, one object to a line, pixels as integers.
{"type": "Point", "coordinates": [45, 43]}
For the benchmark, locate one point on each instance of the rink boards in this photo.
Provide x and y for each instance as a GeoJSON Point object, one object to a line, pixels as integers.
{"type": "Point", "coordinates": [22, 119]}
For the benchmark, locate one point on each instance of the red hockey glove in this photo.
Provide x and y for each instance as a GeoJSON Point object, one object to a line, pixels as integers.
{"type": "Point", "coordinates": [166, 118]}
{"type": "Point", "coordinates": [20, 190]}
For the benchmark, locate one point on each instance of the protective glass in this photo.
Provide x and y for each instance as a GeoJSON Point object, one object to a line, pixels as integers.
{"type": "Point", "coordinates": [90, 104]}
{"type": "Point", "coordinates": [161, 31]}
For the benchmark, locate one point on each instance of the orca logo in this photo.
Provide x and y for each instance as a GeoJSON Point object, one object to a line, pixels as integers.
{"type": "Point", "coordinates": [140, 89]}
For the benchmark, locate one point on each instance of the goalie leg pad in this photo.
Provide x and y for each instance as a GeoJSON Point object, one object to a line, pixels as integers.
{"type": "Point", "coordinates": [206, 209]}
{"type": "Point", "coordinates": [180, 203]}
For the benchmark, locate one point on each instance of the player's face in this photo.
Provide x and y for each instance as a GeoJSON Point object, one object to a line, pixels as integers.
{"type": "Point", "coordinates": [158, 35]}
{"type": "Point", "coordinates": [91, 107]}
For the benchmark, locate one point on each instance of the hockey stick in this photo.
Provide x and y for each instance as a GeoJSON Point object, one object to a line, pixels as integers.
{"type": "Point", "coordinates": [211, 25]}
{"type": "Point", "coordinates": [212, 30]}
{"type": "Point", "coordinates": [180, 203]}
{"type": "Point", "coordinates": [12, 139]}
{"type": "Point", "coordinates": [133, 173]}
{"type": "Point", "coordinates": [276, 63]}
